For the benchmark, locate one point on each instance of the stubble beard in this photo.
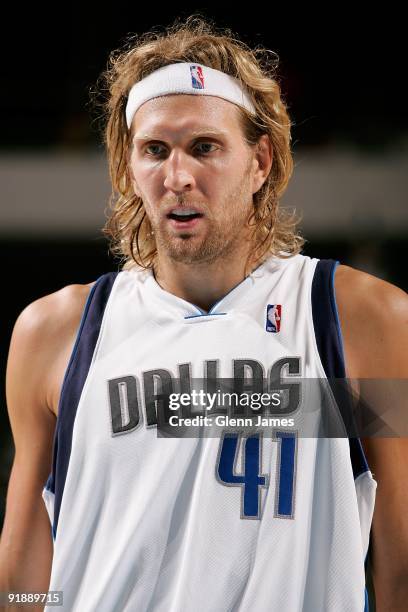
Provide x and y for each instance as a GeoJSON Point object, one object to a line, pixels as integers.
{"type": "Point", "coordinates": [221, 238]}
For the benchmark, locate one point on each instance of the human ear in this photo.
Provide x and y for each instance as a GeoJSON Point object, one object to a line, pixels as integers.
{"type": "Point", "coordinates": [263, 158]}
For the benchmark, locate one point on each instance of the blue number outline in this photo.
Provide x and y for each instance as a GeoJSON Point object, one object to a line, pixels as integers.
{"type": "Point", "coordinates": [241, 442]}
{"type": "Point", "coordinates": [291, 435]}
{"type": "Point", "coordinates": [285, 491]}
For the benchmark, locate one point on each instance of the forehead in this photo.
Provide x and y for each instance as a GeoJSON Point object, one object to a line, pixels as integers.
{"type": "Point", "coordinates": [186, 113]}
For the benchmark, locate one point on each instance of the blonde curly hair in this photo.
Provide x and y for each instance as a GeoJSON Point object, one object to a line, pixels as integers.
{"type": "Point", "coordinates": [196, 40]}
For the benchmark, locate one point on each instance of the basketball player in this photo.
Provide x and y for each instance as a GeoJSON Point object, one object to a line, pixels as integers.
{"type": "Point", "coordinates": [198, 143]}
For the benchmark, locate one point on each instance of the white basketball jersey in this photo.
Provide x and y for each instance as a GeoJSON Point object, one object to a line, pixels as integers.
{"type": "Point", "coordinates": [239, 522]}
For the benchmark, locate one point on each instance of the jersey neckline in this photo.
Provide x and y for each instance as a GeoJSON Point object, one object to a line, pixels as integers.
{"type": "Point", "coordinates": [188, 310]}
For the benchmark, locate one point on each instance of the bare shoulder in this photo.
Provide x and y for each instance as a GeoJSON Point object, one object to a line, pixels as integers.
{"type": "Point", "coordinates": [368, 299]}
{"type": "Point", "coordinates": [55, 310]}
{"type": "Point", "coordinates": [42, 341]}
{"type": "Point", "coordinates": [361, 285]}
{"type": "Point", "coordinates": [52, 311]}
{"type": "Point", "coordinates": [373, 316]}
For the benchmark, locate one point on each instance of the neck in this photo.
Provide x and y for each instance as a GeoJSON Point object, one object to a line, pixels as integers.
{"type": "Point", "coordinates": [203, 283]}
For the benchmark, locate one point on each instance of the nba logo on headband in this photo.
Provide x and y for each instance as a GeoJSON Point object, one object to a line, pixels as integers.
{"type": "Point", "coordinates": [197, 77]}
{"type": "Point", "coordinates": [177, 78]}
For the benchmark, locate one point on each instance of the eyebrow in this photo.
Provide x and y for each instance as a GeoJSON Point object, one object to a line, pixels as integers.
{"type": "Point", "coordinates": [194, 134]}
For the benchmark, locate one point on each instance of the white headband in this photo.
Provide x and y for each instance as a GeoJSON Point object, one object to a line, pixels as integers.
{"type": "Point", "coordinates": [186, 78]}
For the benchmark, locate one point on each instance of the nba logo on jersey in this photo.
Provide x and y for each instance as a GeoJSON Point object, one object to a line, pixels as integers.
{"type": "Point", "coordinates": [197, 77]}
{"type": "Point", "coordinates": [273, 317]}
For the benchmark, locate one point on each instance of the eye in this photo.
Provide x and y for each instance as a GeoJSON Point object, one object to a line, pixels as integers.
{"type": "Point", "coordinates": [153, 146]}
{"type": "Point", "coordinates": [205, 144]}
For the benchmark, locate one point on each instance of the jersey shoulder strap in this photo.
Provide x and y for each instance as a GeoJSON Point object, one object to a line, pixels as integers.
{"type": "Point", "coordinates": [331, 350]}
{"type": "Point", "coordinates": [74, 380]}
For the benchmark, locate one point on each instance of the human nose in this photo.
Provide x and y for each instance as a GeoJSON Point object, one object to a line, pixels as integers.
{"type": "Point", "coordinates": [179, 176]}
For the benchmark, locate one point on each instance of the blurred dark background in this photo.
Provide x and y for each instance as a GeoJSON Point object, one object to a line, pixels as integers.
{"type": "Point", "coordinates": [341, 75]}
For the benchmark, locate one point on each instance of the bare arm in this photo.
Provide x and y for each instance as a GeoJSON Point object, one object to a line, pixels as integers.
{"type": "Point", "coordinates": [374, 317]}
{"type": "Point", "coordinates": [40, 347]}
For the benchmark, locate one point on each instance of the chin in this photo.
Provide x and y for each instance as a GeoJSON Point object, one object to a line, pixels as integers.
{"type": "Point", "coordinates": [187, 256]}
{"type": "Point", "coordinates": [184, 247]}
{"type": "Point", "coordinates": [193, 248]}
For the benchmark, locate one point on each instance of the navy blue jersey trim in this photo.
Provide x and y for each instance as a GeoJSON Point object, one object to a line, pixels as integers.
{"type": "Point", "coordinates": [74, 380]}
{"type": "Point", "coordinates": [331, 350]}
{"type": "Point", "coordinates": [326, 320]}
{"type": "Point", "coordinates": [369, 590]}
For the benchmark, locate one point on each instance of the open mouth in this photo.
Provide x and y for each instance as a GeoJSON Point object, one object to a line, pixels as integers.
{"type": "Point", "coordinates": [184, 216]}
